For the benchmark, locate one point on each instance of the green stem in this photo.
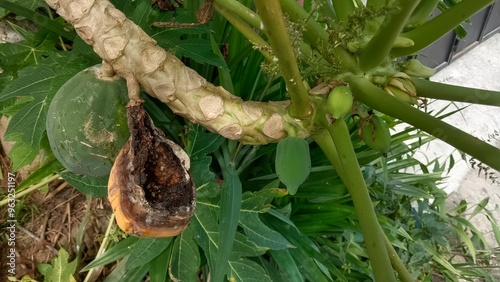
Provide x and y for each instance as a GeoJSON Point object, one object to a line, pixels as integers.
{"type": "Point", "coordinates": [242, 27]}
{"type": "Point", "coordinates": [371, 95]}
{"type": "Point", "coordinates": [397, 263]}
{"type": "Point", "coordinates": [325, 142]}
{"type": "Point", "coordinates": [432, 30]}
{"type": "Point", "coordinates": [241, 11]}
{"type": "Point", "coordinates": [275, 28]}
{"type": "Point", "coordinates": [355, 183]}
{"type": "Point", "coordinates": [436, 90]}
{"type": "Point", "coordinates": [343, 8]}
{"type": "Point", "coordinates": [379, 46]}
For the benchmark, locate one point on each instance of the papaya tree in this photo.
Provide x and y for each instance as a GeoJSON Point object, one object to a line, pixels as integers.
{"type": "Point", "coordinates": [344, 69]}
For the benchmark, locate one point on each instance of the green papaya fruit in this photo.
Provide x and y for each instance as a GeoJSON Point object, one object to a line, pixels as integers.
{"type": "Point", "coordinates": [340, 101]}
{"type": "Point", "coordinates": [375, 133]}
{"type": "Point", "coordinates": [87, 122]}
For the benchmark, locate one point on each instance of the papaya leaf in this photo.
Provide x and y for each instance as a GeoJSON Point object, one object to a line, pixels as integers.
{"type": "Point", "coordinates": [201, 142]}
{"type": "Point", "coordinates": [185, 261]}
{"type": "Point", "coordinates": [230, 204]}
{"type": "Point", "coordinates": [293, 162]}
{"type": "Point", "coordinates": [204, 178]}
{"type": "Point", "coordinates": [21, 153]}
{"type": "Point", "coordinates": [40, 82]}
{"type": "Point", "coordinates": [261, 234]}
{"type": "Point", "coordinates": [146, 249]}
{"type": "Point", "coordinates": [96, 187]}
{"type": "Point", "coordinates": [17, 104]}
{"type": "Point", "coordinates": [245, 270]}
{"type": "Point", "coordinates": [60, 269]}
{"type": "Point", "coordinates": [199, 50]}
{"type": "Point", "coordinates": [259, 202]}
{"type": "Point", "coordinates": [114, 253]}
{"type": "Point", "coordinates": [244, 247]}
{"type": "Point", "coordinates": [29, 52]}
{"type": "Point", "coordinates": [206, 228]}
{"type": "Point", "coordinates": [158, 267]}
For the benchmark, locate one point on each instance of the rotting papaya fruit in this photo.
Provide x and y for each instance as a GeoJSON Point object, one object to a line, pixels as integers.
{"type": "Point", "coordinates": [86, 122]}
{"type": "Point", "coordinates": [150, 187]}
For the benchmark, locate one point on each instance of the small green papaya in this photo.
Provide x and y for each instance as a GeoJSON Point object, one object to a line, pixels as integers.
{"type": "Point", "coordinates": [339, 101]}
{"type": "Point", "coordinates": [375, 133]}
{"type": "Point", "coordinates": [87, 122]}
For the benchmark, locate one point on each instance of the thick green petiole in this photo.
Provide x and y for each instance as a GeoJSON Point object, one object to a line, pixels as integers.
{"type": "Point", "coordinates": [355, 183]}
{"type": "Point", "coordinates": [378, 48]}
{"type": "Point", "coordinates": [436, 90]}
{"type": "Point", "coordinates": [432, 30]}
{"type": "Point", "coordinates": [275, 28]}
{"type": "Point", "coordinates": [422, 12]}
{"type": "Point", "coordinates": [241, 11]}
{"type": "Point", "coordinates": [371, 95]}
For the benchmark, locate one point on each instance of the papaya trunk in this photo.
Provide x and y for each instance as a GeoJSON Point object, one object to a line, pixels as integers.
{"type": "Point", "coordinates": [136, 57]}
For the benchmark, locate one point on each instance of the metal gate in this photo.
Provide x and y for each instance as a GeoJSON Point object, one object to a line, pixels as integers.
{"type": "Point", "coordinates": [483, 25]}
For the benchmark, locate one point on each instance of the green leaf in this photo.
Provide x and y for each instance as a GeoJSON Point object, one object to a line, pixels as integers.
{"type": "Point", "coordinates": [287, 265]}
{"type": "Point", "coordinates": [206, 229]}
{"type": "Point", "coordinates": [199, 50]}
{"type": "Point", "coordinates": [201, 142]}
{"type": "Point", "coordinates": [229, 213]}
{"type": "Point", "coordinates": [26, 8]}
{"type": "Point", "coordinates": [96, 187]}
{"type": "Point", "coordinates": [124, 273]}
{"type": "Point", "coordinates": [44, 171]}
{"type": "Point", "coordinates": [204, 178]}
{"type": "Point", "coordinates": [185, 261]}
{"type": "Point", "coordinates": [21, 154]}
{"type": "Point", "coordinates": [18, 104]}
{"type": "Point", "coordinates": [158, 267]}
{"type": "Point", "coordinates": [261, 234]}
{"type": "Point", "coordinates": [259, 202]}
{"type": "Point", "coordinates": [293, 162]}
{"type": "Point", "coordinates": [40, 82]}
{"type": "Point", "coordinates": [245, 270]}
{"type": "Point", "coordinates": [146, 249]}
{"type": "Point", "coordinates": [244, 247]}
{"type": "Point", "coordinates": [60, 269]}
{"type": "Point", "coordinates": [116, 252]}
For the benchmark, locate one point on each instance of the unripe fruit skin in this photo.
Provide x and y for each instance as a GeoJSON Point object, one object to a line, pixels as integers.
{"type": "Point", "coordinates": [376, 135]}
{"type": "Point", "coordinates": [339, 101]}
{"type": "Point", "coordinates": [86, 122]}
